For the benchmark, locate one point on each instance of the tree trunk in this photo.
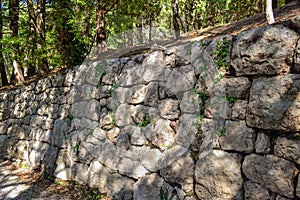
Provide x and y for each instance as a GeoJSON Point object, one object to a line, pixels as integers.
{"type": "Point", "coordinates": [87, 19]}
{"type": "Point", "coordinates": [14, 29]}
{"type": "Point", "coordinates": [176, 19]}
{"type": "Point", "coordinates": [100, 26]}
{"type": "Point", "coordinates": [4, 80]}
{"type": "Point", "coordinates": [269, 12]}
{"type": "Point", "coordinates": [42, 62]}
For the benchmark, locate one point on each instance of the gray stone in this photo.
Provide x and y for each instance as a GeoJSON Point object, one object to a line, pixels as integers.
{"type": "Point", "coordinates": [288, 149]}
{"type": "Point", "coordinates": [187, 130]}
{"type": "Point", "coordinates": [218, 175]}
{"type": "Point", "coordinates": [123, 115]}
{"type": "Point", "coordinates": [49, 160]}
{"type": "Point", "coordinates": [131, 168]}
{"type": "Point", "coordinates": [297, 57]}
{"type": "Point", "coordinates": [80, 173]}
{"type": "Point", "coordinates": [36, 152]}
{"type": "Point", "coordinates": [131, 76]}
{"type": "Point", "coordinates": [190, 102]}
{"type": "Point", "coordinates": [78, 109]}
{"type": "Point", "coordinates": [151, 187]}
{"type": "Point", "coordinates": [153, 66]}
{"type": "Point", "coordinates": [254, 191]}
{"type": "Point", "coordinates": [272, 172]}
{"type": "Point", "coordinates": [92, 110]}
{"type": "Point", "coordinates": [138, 137]}
{"type": "Point", "coordinates": [107, 121]}
{"type": "Point", "coordinates": [171, 155]}
{"type": "Point", "coordinates": [180, 80]}
{"type": "Point", "coordinates": [161, 134]}
{"type": "Point", "coordinates": [119, 187]}
{"type": "Point", "coordinates": [274, 103]}
{"type": "Point", "coordinates": [3, 145]}
{"type": "Point", "coordinates": [238, 137]}
{"type": "Point", "coordinates": [151, 97]}
{"type": "Point", "coordinates": [109, 156]}
{"type": "Point", "coordinates": [298, 187]}
{"type": "Point", "coordinates": [251, 55]}
{"type": "Point", "coordinates": [278, 197]}
{"type": "Point", "coordinates": [169, 109]}
{"type": "Point", "coordinates": [137, 94]}
{"type": "Point", "coordinates": [150, 158]}
{"type": "Point", "coordinates": [233, 87]}
{"type": "Point", "coordinates": [98, 176]}
{"type": "Point", "coordinates": [112, 73]}
{"type": "Point", "coordinates": [142, 114]}
{"type": "Point", "coordinates": [63, 165]}
{"type": "Point", "coordinates": [238, 110]}
{"type": "Point", "coordinates": [113, 134]}
{"type": "Point", "coordinates": [181, 172]}
{"type": "Point", "coordinates": [263, 143]}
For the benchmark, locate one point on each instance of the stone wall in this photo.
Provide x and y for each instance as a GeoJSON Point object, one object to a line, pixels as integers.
{"type": "Point", "coordinates": [174, 123]}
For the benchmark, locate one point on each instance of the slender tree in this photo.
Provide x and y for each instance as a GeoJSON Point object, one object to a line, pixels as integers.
{"type": "Point", "coordinates": [176, 18]}
{"type": "Point", "coordinates": [14, 31]}
{"type": "Point", "coordinates": [2, 66]}
{"type": "Point", "coordinates": [269, 12]}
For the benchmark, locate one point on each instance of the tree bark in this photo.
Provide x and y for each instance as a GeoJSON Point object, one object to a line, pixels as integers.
{"type": "Point", "coordinates": [42, 62]}
{"type": "Point", "coordinates": [3, 74]}
{"type": "Point", "coordinates": [101, 26]}
{"type": "Point", "coordinates": [269, 12]}
{"type": "Point", "coordinates": [176, 18]}
{"type": "Point", "coordinates": [14, 31]}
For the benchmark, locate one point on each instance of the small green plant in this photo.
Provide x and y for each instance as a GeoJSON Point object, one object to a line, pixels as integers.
{"type": "Point", "coordinates": [113, 120]}
{"type": "Point", "coordinates": [146, 120]}
{"type": "Point", "coordinates": [231, 99]}
{"type": "Point", "coordinates": [101, 69]}
{"type": "Point", "coordinates": [202, 43]}
{"type": "Point", "coordinates": [70, 117]}
{"type": "Point", "coordinates": [297, 136]}
{"type": "Point", "coordinates": [76, 147]}
{"type": "Point", "coordinates": [221, 54]}
{"type": "Point", "coordinates": [163, 193]}
{"type": "Point", "coordinates": [218, 77]}
{"type": "Point", "coordinates": [223, 131]}
{"type": "Point", "coordinates": [113, 87]}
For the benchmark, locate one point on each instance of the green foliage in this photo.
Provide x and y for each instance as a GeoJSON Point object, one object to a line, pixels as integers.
{"type": "Point", "coordinates": [76, 147]}
{"type": "Point", "coordinates": [231, 99]}
{"type": "Point", "coordinates": [221, 54]}
{"type": "Point", "coordinates": [145, 122]}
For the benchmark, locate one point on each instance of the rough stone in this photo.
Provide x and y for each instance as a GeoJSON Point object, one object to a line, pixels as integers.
{"type": "Point", "coordinates": [144, 115]}
{"type": "Point", "coordinates": [119, 187]}
{"type": "Point", "coordinates": [131, 168]}
{"type": "Point", "coordinates": [150, 158]}
{"type": "Point", "coordinates": [254, 191]}
{"type": "Point", "coordinates": [80, 173]}
{"type": "Point", "coordinates": [180, 80]}
{"type": "Point", "coordinates": [113, 134]}
{"type": "Point", "coordinates": [168, 109]}
{"type": "Point", "coordinates": [274, 103]}
{"type": "Point", "coordinates": [153, 67]}
{"type": "Point", "coordinates": [98, 176]}
{"type": "Point", "coordinates": [171, 155]}
{"type": "Point", "coordinates": [63, 165]}
{"type": "Point", "coordinates": [272, 172]}
{"type": "Point", "coordinates": [150, 187]}
{"type": "Point", "coordinates": [161, 134]}
{"type": "Point", "coordinates": [109, 156]}
{"type": "Point", "coordinates": [187, 130]}
{"type": "Point", "coordinates": [251, 55]}
{"type": "Point", "coordinates": [123, 115]}
{"type": "Point", "coordinates": [263, 143]}
{"type": "Point", "coordinates": [298, 187]}
{"type": "Point", "coordinates": [181, 172]}
{"type": "Point", "coordinates": [151, 97]}
{"type": "Point", "coordinates": [137, 94]}
{"type": "Point", "coordinates": [107, 121]}
{"type": "Point", "coordinates": [190, 103]}
{"type": "Point", "coordinates": [288, 149]}
{"type": "Point", "coordinates": [218, 175]}
{"type": "Point", "coordinates": [138, 137]}
{"type": "Point", "coordinates": [233, 87]}
{"type": "Point", "coordinates": [92, 110]}
{"type": "Point", "coordinates": [3, 145]}
{"type": "Point", "coordinates": [238, 137]}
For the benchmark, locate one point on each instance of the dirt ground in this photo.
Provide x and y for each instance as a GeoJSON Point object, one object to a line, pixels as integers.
{"type": "Point", "coordinates": [18, 182]}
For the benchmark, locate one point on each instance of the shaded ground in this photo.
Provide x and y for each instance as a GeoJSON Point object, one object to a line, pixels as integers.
{"type": "Point", "coordinates": [20, 183]}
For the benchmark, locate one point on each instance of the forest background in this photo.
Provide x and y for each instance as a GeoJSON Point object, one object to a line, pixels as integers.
{"type": "Point", "coordinates": [37, 36]}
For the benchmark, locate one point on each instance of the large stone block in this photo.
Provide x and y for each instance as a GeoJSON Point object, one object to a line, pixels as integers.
{"type": "Point", "coordinates": [254, 191]}
{"type": "Point", "coordinates": [274, 103]}
{"type": "Point", "coordinates": [298, 187]}
{"type": "Point", "coordinates": [151, 187]}
{"type": "Point", "coordinates": [238, 137]}
{"type": "Point", "coordinates": [288, 149]}
{"type": "Point", "coordinates": [272, 172]}
{"type": "Point", "coordinates": [264, 51]}
{"type": "Point", "coordinates": [218, 175]}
